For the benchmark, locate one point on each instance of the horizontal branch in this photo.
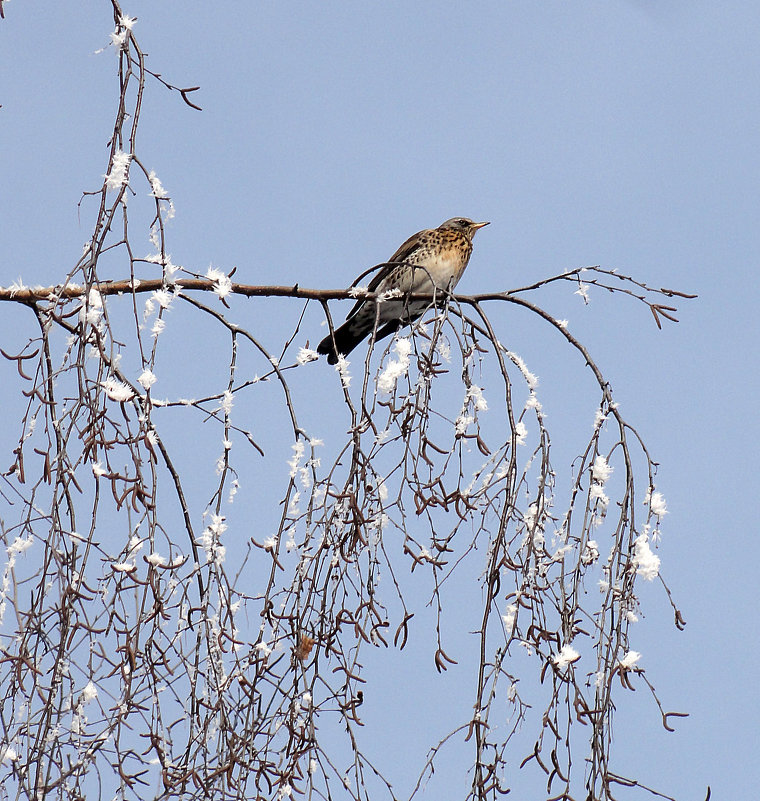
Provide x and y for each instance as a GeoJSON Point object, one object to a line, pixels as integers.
{"type": "Point", "coordinates": [31, 295]}
{"type": "Point", "coordinates": [600, 277]}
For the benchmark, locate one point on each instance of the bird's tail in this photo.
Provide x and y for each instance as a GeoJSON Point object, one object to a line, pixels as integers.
{"type": "Point", "coordinates": [342, 341]}
{"type": "Point", "coordinates": [349, 335]}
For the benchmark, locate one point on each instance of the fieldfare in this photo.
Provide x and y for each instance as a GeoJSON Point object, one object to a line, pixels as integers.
{"type": "Point", "coordinates": [430, 262]}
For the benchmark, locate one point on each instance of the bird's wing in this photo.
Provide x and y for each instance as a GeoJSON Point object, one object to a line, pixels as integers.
{"type": "Point", "coordinates": [402, 254]}
{"type": "Point", "coordinates": [380, 276]}
{"type": "Point", "coordinates": [408, 248]}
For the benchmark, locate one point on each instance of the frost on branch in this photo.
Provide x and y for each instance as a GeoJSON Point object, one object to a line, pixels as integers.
{"type": "Point", "coordinates": [117, 176]}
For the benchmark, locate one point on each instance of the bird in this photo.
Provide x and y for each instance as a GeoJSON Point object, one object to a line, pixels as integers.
{"type": "Point", "coordinates": [430, 262]}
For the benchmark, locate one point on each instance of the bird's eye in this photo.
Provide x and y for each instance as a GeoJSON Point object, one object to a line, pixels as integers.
{"type": "Point", "coordinates": [462, 222]}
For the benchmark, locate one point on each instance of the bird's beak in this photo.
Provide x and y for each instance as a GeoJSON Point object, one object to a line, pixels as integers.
{"type": "Point", "coordinates": [475, 226]}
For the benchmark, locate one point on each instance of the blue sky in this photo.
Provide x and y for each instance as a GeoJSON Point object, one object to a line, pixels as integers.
{"type": "Point", "coordinates": [622, 133]}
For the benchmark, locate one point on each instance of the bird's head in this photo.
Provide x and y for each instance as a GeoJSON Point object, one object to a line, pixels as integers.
{"type": "Point", "coordinates": [464, 224]}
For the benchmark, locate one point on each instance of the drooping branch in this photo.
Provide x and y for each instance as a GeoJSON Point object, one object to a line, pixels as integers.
{"type": "Point", "coordinates": [159, 632]}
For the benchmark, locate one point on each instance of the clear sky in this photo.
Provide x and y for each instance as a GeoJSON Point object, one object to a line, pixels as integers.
{"type": "Point", "coordinates": [618, 132]}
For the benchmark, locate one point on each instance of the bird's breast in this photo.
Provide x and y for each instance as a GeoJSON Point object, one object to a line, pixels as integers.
{"type": "Point", "coordinates": [443, 267]}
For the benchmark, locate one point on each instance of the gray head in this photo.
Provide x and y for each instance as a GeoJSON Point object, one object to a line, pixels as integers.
{"type": "Point", "coordinates": [464, 224]}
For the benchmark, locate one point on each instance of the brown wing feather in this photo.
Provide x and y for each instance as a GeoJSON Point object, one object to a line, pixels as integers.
{"type": "Point", "coordinates": [402, 254]}
{"type": "Point", "coordinates": [408, 248]}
